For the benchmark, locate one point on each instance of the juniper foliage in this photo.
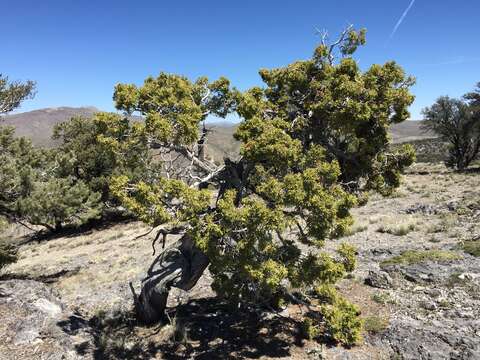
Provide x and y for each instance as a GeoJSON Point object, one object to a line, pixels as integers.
{"type": "Point", "coordinates": [314, 140]}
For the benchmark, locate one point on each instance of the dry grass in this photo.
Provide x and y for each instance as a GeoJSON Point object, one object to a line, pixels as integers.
{"type": "Point", "coordinates": [471, 247]}
{"type": "Point", "coordinates": [375, 324]}
{"type": "Point", "coordinates": [401, 229]}
{"type": "Point", "coordinates": [410, 257]}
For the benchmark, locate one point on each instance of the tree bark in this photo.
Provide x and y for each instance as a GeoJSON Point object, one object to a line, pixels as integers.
{"type": "Point", "coordinates": [180, 265]}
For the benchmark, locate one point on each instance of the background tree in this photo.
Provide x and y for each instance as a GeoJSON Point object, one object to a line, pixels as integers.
{"type": "Point", "coordinates": [35, 186]}
{"type": "Point", "coordinates": [56, 202]}
{"type": "Point", "coordinates": [12, 93]}
{"type": "Point", "coordinates": [12, 180]}
{"type": "Point", "coordinates": [473, 98]}
{"type": "Point", "coordinates": [92, 150]}
{"type": "Point", "coordinates": [313, 140]}
{"type": "Point", "coordinates": [458, 123]}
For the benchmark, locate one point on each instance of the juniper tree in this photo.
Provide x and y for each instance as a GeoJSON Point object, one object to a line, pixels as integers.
{"type": "Point", "coordinates": [12, 93]}
{"type": "Point", "coordinates": [86, 153]}
{"type": "Point", "coordinates": [56, 202]}
{"type": "Point", "coordinates": [12, 153]}
{"type": "Point", "coordinates": [16, 157]}
{"type": "Point", "coordinates": [314, 139]}
{"type": "Point", "coordinates": [458, 123]}
{"type": "Point", "coordinates": [33, 188]}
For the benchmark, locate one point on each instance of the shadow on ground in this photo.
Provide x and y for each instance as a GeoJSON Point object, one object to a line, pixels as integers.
{"type": "Point", "coordinates": [107, 221]}
{"type": "Point", "coordinates": [201, 329]}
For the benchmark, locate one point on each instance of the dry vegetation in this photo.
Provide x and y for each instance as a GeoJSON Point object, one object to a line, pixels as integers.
{"type": "Point", "coordinates": [435, 220]}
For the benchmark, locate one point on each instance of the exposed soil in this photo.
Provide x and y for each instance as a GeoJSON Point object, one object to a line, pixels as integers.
{"type": "Point", "coordinates": [427, 309]}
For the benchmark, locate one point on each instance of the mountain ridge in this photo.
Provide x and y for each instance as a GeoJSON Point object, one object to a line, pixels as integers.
{"type": "Point", "coordinates": [37, 125]}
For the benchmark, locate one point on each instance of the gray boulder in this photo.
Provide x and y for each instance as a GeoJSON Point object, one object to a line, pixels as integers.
{"type": "Point", "coordinates": [31, 324]}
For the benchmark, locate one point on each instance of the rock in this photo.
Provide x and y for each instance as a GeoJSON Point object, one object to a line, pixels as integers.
{"type": "Point", "coordinates": [468, 276]}
{"type": "Point", "coordinates": [379, 279]}
{"type": "Point", "coordinates": [432, 272]}
{"type": "Point", "coordinates": [48, 307]}
{"type": "Point", "coordinates": [417, 340]}
{"type": "Point", "coordinates": [426, 209]}
{"type": "Point", "coordinates": [435, 293]}
{"type": "Point", "coordinates": [31, 324]}
{"type": "Point", "coordinates": [429, 305]}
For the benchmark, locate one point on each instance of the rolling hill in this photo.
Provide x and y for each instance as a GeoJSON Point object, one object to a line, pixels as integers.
{"type": "Point", "coordinates": [38, 125]}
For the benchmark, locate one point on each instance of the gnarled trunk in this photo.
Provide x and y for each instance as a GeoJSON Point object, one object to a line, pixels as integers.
{"type": "Point", "coordinates": [179, 265]}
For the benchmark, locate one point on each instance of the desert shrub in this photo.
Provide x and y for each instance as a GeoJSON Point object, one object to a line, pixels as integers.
{"type": "Point", "coordinates": [382, 298]}
{"type": "Point", "coordinates": [326, 293]}
{"type": "Point", "coordinates": [309, 329]}
{"type": "Point", "coordinates": [342, 322]}
{"type": "Point", "coordinates": [348, 254]}
{"type": "Point", "coordinates": [356, 228]}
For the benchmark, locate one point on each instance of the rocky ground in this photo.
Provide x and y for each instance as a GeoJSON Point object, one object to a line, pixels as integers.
{"type": "Point", "coordinates": [417, 284]}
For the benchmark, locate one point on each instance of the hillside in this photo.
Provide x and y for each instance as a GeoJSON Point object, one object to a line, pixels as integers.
{"type": "Point", "coordinates": [38, 125]}
{"type": "Point", "coordinates": [417, 286]}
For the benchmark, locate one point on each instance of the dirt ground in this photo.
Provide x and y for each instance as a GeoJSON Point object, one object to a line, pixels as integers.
{"type": "Point", "coordinates": [434, 212]}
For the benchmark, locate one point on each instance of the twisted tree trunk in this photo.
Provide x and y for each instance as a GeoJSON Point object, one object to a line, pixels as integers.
{"type": "Point", "coordinates": [179, 265]}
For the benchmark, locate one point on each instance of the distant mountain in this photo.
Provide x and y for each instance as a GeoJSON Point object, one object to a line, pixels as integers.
{"type": "Point", "coordinates": [409, 131]}
{"type": "Point", "coordinates": [38, 125]}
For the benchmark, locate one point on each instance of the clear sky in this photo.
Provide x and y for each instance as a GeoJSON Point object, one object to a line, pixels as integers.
{"type": "Point", "coordinates": [78, 50]}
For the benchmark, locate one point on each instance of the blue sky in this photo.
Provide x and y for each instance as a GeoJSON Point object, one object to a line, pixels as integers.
{"type": "Point", "coordinates": [78, 50]}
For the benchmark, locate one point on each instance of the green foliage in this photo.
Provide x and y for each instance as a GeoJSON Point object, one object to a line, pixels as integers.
{"type": "Point", "coordinates": [39, 186]}
{"type": "Point", "coordinates": [19, 165]}
{"type": "Point", "coordinates": [174, 106]}
{"type": "Point", "coordinates": [148, 201]}
{"type": "Point", "coordinates": [94, 150]}
{"type": "Point", "coordinates": [58, 201]}
{"type": "Point", "coordinates": [314, 140]}
{"type": "Point", "coordinates": [340, 318]}
{"type": "Point", "coordinates": [336, 106]}
{"type": "Point", "coordinates": [33, 191]}
{"type": "Point", "coordinates": [12, 93]}
{"type": "Point", "coordinates": [342, 321]}
{"type": "Point", "coordinates": [458, 123]}
{"type": "Point", "coordinates": [309, 329]}
{"type": "Point", "coordinates": [326, 294]}
{"type": "Point", "coordinates": [348, 253]}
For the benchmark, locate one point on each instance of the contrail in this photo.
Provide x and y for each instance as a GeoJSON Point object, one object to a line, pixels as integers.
{"type": "Point", "coordinates": [399, 22]}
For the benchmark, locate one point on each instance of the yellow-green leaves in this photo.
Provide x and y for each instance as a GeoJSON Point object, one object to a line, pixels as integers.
{"type": "Point", "coordinates": [174, 106]}
{"type": "Point", "coordinates": [168, 200]}
{"type": "Point", "coordinates": [312, 140]}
